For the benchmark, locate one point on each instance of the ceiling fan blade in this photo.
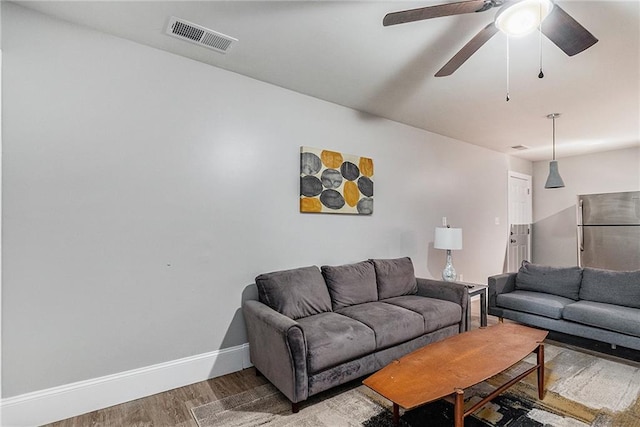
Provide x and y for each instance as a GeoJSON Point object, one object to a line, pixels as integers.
{"type": "Point", "coordinates": [429, 12]}
{"type": "Point", "coordinates": [566, 32]}
{"type": "Point", "coordinates": [469, 49]}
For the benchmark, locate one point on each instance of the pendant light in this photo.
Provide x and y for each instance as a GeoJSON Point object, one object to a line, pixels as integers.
{"type": "Point", "coordinates": [554, 180]}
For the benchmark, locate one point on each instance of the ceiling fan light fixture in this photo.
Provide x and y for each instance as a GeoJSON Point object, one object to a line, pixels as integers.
{"type": "Point", "coordinates": [523, 17]}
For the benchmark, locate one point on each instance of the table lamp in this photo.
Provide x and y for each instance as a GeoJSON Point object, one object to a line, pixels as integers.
{"type": "Point", "coordinates": [450, 239]}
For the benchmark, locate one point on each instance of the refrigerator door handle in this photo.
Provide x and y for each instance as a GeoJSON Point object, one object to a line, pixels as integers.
{"type": "Point", "coordinates": [581, 238]}
{"type": "Point", "coordinates": [580, 227]}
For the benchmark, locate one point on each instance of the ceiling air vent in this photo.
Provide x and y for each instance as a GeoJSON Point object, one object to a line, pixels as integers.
{"type": "Point", "coordinates": [519, 147]}
{"type": "Point", "coordinates": [199, 35]}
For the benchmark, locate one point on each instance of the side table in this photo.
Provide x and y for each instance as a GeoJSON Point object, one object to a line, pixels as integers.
{"type": "Point", "coordinates": [477, 289]}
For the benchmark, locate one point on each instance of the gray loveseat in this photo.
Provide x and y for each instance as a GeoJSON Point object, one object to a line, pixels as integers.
{"type": "Point", "coordinates": [592, 303]}
{"type": "Point", "coordinates": [313, 329]}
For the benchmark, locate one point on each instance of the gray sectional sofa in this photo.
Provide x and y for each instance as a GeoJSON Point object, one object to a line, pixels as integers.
{"type": "Point", "coordinates": [313, 329]}
{"type": "Point", "coordinates": [602, 305]}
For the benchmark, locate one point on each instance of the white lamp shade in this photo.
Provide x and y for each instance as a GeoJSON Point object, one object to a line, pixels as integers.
{"type": "Point", "coordinates": [448, 238]}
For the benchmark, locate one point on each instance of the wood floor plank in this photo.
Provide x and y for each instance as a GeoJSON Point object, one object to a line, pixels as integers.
{"type": "Point", "coordinates": [171, 408]}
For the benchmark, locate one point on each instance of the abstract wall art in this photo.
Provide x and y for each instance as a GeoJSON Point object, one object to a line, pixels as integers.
{"type": "Point", "coordinates": [333, 182]}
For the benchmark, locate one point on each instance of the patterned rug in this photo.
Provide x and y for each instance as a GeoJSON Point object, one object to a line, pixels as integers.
{"type": "Point", "coordinates": [582, 390]}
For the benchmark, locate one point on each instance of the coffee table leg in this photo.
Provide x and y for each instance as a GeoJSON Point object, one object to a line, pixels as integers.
{"type": "Point", "coordinates": [396, 414]}
{"type": "Point", "coordinates": [458, 409]}
{"type": "Point", "coordinates": [540, 360]}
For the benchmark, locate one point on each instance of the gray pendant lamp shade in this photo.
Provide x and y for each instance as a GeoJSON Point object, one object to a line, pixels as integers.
{"type": "Point", "coordinates": [554, 180]}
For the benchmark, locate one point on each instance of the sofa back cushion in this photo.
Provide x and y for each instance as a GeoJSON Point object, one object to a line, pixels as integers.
{"type": "Point", "coordinates": [296, 293]}
{"type": "Point", "coordinates": [611, 287]}
{"type": "Point", "coordinates": [561, 281]}
{"type": "Point", "coordinates": [395, 277]}
{"type": "Point", "coordinates": [351, 284]}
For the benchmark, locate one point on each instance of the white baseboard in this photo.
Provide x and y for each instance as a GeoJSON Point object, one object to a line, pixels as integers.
{"type": "Point", "coordinates": [70, 400]}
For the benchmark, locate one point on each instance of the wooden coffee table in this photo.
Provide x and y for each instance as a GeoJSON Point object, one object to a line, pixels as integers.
{"type": "Point", "coordinates": [442, 370]}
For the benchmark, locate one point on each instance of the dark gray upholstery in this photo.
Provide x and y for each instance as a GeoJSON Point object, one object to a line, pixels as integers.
{"type": "Point", "coordinates": [342, 373]}
{"type": "Point", "coordinates": [436, 313]}
{"type": "Point", "coordinates": [295, 293]}
{"type": "Point", "coordinates": [612, 287]}
{"type": "Point", "coordinates": [285, 363]}
{"type": "Point", "coordinates": [333, 338]}
{"type": "Point", "coordinates": [535, 303]}
{"type": "Point", "coordinates": [369, 364]}
{"type": "Point", "coordinates": [594, 315]}
{"type": "Point", "coordinates": [386, 356]}
{"type": "Point", "coordinates": [617, 318]}
{"type": "Point", "coordinates": [395, 277]}
{"type": "Point", "coordinates": [392, 324]}
{"type": "Point", "coordinates": [561, 281]}
{"type": "Point", "coordinates": [303, 347]}
{"type": "Point", "coordinates": [351, 284]}
{"type": "Point", "coordinates": [500, 284]}
{"type": "Point", "coordinates": [447, 291]}
{"type": "Point", "coordinates": [572, 328]}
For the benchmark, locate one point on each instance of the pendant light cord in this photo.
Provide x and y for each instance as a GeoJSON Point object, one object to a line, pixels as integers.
{"type": "Point", "coordinates": [541, 75]}
{"type": "Point", "coordinates": [554, 136]}
{"type": "Point", "coordinates": [507, 68]}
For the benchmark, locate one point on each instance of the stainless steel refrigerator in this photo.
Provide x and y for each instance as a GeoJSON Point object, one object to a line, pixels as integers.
{"type": "Point", "coordinates": [609, 230]}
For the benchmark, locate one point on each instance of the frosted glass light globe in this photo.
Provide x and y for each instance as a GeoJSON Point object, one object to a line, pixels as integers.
{"type": "Point", "coordinates": [523, 17]}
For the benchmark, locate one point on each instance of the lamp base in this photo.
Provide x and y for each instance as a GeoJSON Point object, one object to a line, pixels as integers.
{"type": "Point", "coordinates": [449, 273]}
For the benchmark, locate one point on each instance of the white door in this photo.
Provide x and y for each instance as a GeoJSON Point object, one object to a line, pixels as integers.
{"type": "Point", "coordinates": [520, 213]}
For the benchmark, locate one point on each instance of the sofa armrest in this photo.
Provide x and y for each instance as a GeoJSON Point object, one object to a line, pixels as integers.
{"type": "Point", "coordinates": [449, 291]}
{"type": "Point", "coordinates": [500, 284]}
{"type": "Point", "coordinates": [277, 348]}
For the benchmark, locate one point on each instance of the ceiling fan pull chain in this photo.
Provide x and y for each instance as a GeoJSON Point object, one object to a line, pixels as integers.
{"type": "Point", "coordinates": [507, 68]}
{"type": "Point", "coordinates": [541, 75]}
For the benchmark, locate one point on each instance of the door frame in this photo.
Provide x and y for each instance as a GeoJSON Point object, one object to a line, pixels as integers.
{"type": "Point", "coordinates": [529, 209]}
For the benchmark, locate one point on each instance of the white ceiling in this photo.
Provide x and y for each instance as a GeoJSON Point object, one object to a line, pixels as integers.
{"type": "Point", "coordinates": [340, 52]}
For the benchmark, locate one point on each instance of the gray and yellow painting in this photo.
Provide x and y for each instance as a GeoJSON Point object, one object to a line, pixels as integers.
{"type": "Point", "coordinates": [333, 182]}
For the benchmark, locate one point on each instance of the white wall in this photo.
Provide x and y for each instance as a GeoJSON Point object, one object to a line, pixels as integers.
{"type": "Point", "coordinates": [554, 210]}
{"type": "Point", "coordinates": [143, 192]}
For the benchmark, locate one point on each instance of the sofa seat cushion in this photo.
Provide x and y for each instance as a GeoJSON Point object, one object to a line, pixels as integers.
{"type": "Point", "coordinates": [351, 284]}
{"type": "Point", "coordinates": [437, 313]}
{"type": "Point", "coordinates": [611, 287]}
{"type": "Point", "coordinates": [539, 303]}
{"type": "Point", "coordinates": [616, 318]}
{"type": "Point", "coordinates": [561, 281]}
{"type": "Point", "coordinates": [295, 293]}
{"type": "Point", "coordinates": [333, 339]}
{"type": "Point", "coordinates": [391, 324]}
{"type": "Point", "coordinates": [395, 277]}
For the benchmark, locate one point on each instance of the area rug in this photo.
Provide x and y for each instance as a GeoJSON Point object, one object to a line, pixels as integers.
{"type": "Point", "coordinates": [582, 390]}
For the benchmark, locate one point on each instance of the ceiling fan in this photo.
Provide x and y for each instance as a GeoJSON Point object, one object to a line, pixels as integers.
{"type": "Point", "coordinates": [515, 17]}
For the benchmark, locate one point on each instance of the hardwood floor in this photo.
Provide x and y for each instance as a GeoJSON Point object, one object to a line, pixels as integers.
{"type": "Point", "coordinates": [172, 408]}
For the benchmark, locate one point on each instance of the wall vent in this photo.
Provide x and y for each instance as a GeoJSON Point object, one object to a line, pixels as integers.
{"type": "Point", "coordinates": [519, 147]}
{"type": "Point", "coordinates": [199, 35]}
